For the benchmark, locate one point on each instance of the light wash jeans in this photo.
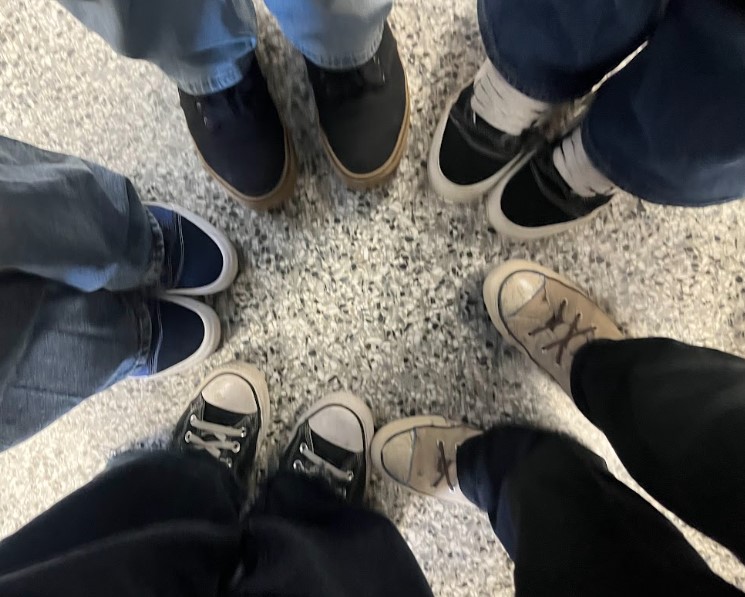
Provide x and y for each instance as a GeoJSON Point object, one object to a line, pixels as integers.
{"type": "Point", "coordinates": [203, 45]}
{"type": "Point", "coordinates": [77, 253]}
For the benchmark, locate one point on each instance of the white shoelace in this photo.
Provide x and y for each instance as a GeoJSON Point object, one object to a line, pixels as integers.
{"type": "Point", "coordinates": [501, 105]}
{"type": "Point", "coordinates": [321, 465]}
{"type": "Point", "coordinates": [574, 165]}
{"type": "Point", "coordinates": [221, 433]}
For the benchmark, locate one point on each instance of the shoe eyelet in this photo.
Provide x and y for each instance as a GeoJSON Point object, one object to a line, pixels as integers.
{"type": "Point", "coordinates": [192, 418]}
{"type": "Point", "coordinates": [198, 105]}
{"type": "Point", "coordinates": [304, 448]}
{"type": "Point", "coordinates": [187, 437]}
{"type": "Point", "coordinates": [298, 466]}
{"type": "Point", "coordinates": [244, 432]}
{"type": "Point", "coordinates": [350, 476]}
{"type": "Point", "coordinates": [236, 447]}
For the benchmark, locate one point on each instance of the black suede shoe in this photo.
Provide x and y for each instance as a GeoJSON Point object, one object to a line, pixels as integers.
{"type": "Point", "coordinates": [468, 156]}
{"type": "Point", "coordinates": [364, 115]}
{"type": "Point", "coordinates": [242, 141]}
{"type": "Point", "coordinates": [535, 201]}
{"type": "Point", "coordinates": [227, 418]}
{"type": "Point", "coordinates": [331, 442]}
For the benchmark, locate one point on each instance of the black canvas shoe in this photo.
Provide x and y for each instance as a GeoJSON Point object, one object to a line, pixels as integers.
{"type": "Point", "coordinates": [242, 141]}
{"type": "Point", "coordinates": [364, 115]}
{"type": "Point", "coordinates": [331, 442]}
{"type": "Point", "coordinates": [535, 201]}
{"type": "Point", "coordinates": [227, 418]}
{"type": "Point", "coordinates": [469, 156]}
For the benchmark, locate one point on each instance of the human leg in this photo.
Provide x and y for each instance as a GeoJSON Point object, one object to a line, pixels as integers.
{"type": "Point", "coordinates": [310, 533]}
{"type": "Point", "coordinates": [207, 47]}
{"type": "Point", "coordinates": [358, 82]}
{"type": "Point", "coordinates": [80, 224]}
{"type": "Point", "coordinates": [539, 54]}
{"type": "Point", "coordinates": [59, 346]}
{"type": "Point", "coordinates": [561, 516]}
{"type": "Point", "coordinates": [673, 412]}
{"type": "Point", "coordinates": [666, 128]}
{"type": "Point", "coordinates": [156, 523]}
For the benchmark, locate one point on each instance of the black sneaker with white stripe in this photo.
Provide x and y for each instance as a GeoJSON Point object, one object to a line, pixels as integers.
{"type": "Point", "coordinates": [227, 418]}
{"type": "Point", "coordinates": [331, 442]}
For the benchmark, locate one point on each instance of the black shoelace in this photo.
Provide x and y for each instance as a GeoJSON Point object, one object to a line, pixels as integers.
{"type": "Point", "coordinates": [556, 319]}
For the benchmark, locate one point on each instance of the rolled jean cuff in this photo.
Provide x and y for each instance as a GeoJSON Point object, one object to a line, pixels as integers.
{"type": "Point", "coordinates": [154, 271]}
{"type": "Point", "coordinates": [217, 78]}
{"type": "Point", "coordinates": [552, 92]}
{"type": "Point", "coordinates": [366, 50]}
{"type": "Point", "coordinates": [135, 302]}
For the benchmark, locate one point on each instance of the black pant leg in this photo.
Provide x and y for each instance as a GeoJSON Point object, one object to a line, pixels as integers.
{"type": "Point", "coordinates": [163, 524]}
{"type": "Point", "coordinates": [675, 415]}
{"type": "Point", "coordinates": [570, 526]}
{"type": "Point", "coordinates": [303, 541]}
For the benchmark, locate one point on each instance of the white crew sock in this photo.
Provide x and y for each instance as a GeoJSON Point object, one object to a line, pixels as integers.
{"type": "Point", "coordinates": [501, 105]}
{"type": "Point", "coordinates": [575, 167]}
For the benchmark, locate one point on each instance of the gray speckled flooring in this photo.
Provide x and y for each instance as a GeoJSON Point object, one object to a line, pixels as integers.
{"type": "Point", "coordinates": [378, 293]}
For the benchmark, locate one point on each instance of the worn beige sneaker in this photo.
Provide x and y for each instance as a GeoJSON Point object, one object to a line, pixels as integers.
{"type": "Point", "coordinates": [544, 315]}
{"type": "Point", "coordinates": [419, 453]}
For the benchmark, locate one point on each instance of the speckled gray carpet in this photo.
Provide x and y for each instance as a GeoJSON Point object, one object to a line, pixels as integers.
{"type": "Point", "coordinates": [379, 293]}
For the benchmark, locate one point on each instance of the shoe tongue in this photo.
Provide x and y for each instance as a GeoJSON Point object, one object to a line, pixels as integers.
{"type": "Point", "coordinates": [215, 414]}
{"type": "Point", "coordinates": [331, 453]}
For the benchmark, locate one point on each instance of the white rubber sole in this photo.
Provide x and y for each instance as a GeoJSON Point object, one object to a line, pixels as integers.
{"type": "Point", "coordinates": [210, 342]}
{"type": "Point", "coordinates": [506, 227]}
{"type": "Point", "coordinates": [494, 281]}
{"type": "Point", "coordinates": [256, 380]}
{"type": "Point", "coordinates": [361, 411]}
{"type": "Point", "coordinates": [443, 186]}
{"type": "Point", "coordinates": [227, 250]}
{"type": "Point", "coordinates": [395, 428]}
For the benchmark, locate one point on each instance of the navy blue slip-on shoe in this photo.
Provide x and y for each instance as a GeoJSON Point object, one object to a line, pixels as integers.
{"type": "Point", "coordinates": [184, 333]}
{"type": "Point", "coordinates": [199, 259]}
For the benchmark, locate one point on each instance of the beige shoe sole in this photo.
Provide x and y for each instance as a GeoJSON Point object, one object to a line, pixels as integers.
{"type": "Point", "coordinates": [361, 182]}
{"type": "Point", "coordinates": [274, 198]}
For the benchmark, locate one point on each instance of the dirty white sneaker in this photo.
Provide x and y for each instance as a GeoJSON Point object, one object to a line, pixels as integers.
{"type": "Point", "coordinates": [545, 316]}
{"type": "Point", "coordinates": [419, 453]}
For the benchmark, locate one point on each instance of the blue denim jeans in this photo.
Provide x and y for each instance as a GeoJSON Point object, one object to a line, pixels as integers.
{"type": "Point", "coordinates": [669, 127]}
{"type": "Point", "coordinates": [77, 248]}
{"type": "Point", "coordinates": [203, 44]}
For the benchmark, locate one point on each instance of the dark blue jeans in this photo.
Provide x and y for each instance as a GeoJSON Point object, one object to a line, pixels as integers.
{"type": "Point", "coordinates": [670, 126]}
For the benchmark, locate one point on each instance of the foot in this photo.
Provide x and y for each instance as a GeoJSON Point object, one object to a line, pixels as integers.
{"type": "Point", "coordinates": [420, 454]}
{"type": "Point", "coordinates": [227, 418]}
{"type": "Point", "coordinates": [536, 199]}
{"type": "Point", "coordinates": [199, 259]}
{"type": "Point", "coordinates": [184, 332]}
{"type": "Point", "coordinates": [331, 442]}
{"type": "Point", "coordinates": [364, 115]}
{"type": "Point", "coordinates": [481, 135]}
{"type": "Point", "coordinates": [545, 316]}
{"type": "Point", "coordinates": [242, 141]}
